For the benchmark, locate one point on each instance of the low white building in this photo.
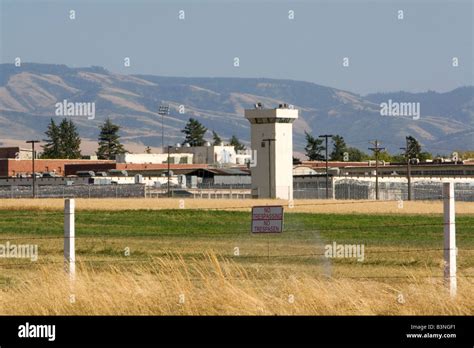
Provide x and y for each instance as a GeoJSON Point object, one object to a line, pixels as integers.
{"type": "Point", "coordinates": [303, 170]}
{"type": "Point", "coordinates": [214, 154]}
{"type": "Point", "coordinates": [155, 158]}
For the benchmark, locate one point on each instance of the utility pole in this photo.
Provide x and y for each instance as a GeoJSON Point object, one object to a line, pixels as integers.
{"type": "Point", "coordinates": [326, 136]}
{"type": "Point", "coordinates": [169, 192]}
{"type": "Point", "coordinates": [408, 168]}
{"type": "Point", "coordinates": [163, 110]}
{"type": "Point", "coordinates": [269, 166]}
{"type": "Point", "coordinates": [33, 155]}
{"type": "Point", "coordinates": [376, 149]}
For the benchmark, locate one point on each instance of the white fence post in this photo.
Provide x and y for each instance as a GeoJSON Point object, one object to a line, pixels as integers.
{"type": "Point", "coordinates": [449, 238]}
{"type": "Point", "coordinates": [69, 241]}
{"type": "Point", "coordinates": [333, 187]}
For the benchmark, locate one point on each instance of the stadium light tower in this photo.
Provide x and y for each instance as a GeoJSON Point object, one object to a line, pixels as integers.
{"type": "Point", "coordinates": [33, 155]}
{"type": "Point", "coordinates": [163, 110]}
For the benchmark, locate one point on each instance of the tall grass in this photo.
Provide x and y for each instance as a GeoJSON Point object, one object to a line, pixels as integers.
{"type": "Point", "coordinates": [210, 285]}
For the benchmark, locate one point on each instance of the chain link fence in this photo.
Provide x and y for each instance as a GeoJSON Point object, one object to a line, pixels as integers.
{"type": "Point", "coordinates": [74, 191]}
{"type": "Point", "coordinates": [353, 189]}
{"type": "Point", "coordinates": [340, 189]}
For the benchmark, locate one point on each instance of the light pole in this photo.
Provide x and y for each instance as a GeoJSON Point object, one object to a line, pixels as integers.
{"type": "Point", "coordinates": [33, 155]}
{"type": "Point", "coordinates": [169, 192]}
{"type": "Point", "coordinates": [326, 136]}
{"type": "Point", "coordinates": [376, 149]}
{"type": "Point", "coordinates": [269, 141]}
{"type": "Point", "coordinates": [407, 157]}
{"type": "Point", "coordinates": [163, 110]}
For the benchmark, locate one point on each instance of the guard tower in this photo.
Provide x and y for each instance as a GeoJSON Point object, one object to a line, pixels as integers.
{"type": "Point", "coordinates": [272, 139]}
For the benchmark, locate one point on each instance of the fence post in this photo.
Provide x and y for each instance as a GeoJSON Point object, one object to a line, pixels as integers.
{"type": "Point", "coordinates": [69, 241]}
{"type": "Point", "coordinates": [333, 188]}
{"type": "Point", "coordinates": [449, 238]}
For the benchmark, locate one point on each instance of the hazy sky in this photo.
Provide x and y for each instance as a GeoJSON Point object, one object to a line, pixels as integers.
{"type": "Point", "coordinates": [385, 53]}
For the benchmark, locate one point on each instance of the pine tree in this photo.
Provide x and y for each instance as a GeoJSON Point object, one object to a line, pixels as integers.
{"type": "Point", "coordinates": [238, 146]}
{"type": "Point", "coordinates": [414, 150]}
{"type": "Point", "coordinates": [109, 141]}
{"type": "Point", "coordinates": [52, 149]}
{"type": "Point", "coordinates": [216, 139]}
{"type": "Point", "coordinates": [339, 148]}
{"type": "Point", "coordinates": [414, 147]}
{"type": "Point", "coordinates": [194, 132]}
{"type": "Point", "coordinates": [313, 148]}
{"type": "Point", "coordinates": [70, 140]}
{"type": "Point", "coordinates": [63, 141]}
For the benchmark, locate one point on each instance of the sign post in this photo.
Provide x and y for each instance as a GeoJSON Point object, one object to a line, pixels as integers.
{"type": "Point", "coordinates": [267, 219]}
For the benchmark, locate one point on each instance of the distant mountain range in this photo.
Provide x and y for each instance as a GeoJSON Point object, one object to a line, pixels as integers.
{"type": "Point", "coordinates": [28, 95]}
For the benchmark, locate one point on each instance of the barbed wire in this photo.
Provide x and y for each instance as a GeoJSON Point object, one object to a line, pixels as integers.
{"type": "Point", "coordinates": [331, 277]}
{"type": "Point", "coordinates": [246, 232]}
{"type": "Point", "coordinates": [150, 258]}
{"type": "Point", "coordinates": [240, 232]}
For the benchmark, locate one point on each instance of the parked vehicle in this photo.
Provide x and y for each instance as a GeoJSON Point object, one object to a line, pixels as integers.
{"type": "Point", "coordinates": [85, 173]}
{"type": "Point", "coordinates": [50, 175]}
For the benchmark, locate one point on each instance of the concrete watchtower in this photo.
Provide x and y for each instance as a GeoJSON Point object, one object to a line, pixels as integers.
{"type": "Point", "coordinates": [272, 139]}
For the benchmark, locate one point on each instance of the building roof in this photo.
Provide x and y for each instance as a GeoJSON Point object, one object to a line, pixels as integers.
{"type": "Point", "coordinates": [320, 164]}
{"type": "Point", "coordinates": [219, 171]}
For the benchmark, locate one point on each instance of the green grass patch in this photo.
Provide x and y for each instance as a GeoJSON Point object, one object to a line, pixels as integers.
{"type": "Point", "coordinates": [370, 229]}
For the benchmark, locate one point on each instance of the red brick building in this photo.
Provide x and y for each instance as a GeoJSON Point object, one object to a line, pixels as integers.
{"type": "Point", "coordinates": [12, 167]}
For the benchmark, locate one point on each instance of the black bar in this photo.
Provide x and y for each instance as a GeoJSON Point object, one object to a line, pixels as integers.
{"type": "Point", "coordinates": [269, 330]}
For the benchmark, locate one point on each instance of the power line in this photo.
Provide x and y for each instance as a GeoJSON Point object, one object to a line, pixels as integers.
{"type": "Point", "coordinates": [326, 136]}
{"type": "Point", "coordinates": [33, 156]}
{"type": "Point", "coordinates": [376, 149]}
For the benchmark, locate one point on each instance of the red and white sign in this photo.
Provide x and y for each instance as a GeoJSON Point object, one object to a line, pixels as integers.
{"type": "Point", "coordinates": [267, 219]}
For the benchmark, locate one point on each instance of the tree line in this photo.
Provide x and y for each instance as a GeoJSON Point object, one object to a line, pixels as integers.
{"type": "Point", "coordinates": [194, 133]}
{"type": "Point", "coordinates": [315, 151]}
{"type": "Point", "coordinates": [63, 140]}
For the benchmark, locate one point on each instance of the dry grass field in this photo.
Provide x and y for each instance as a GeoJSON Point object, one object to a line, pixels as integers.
{"type": "Point", "coordinates": [215, 286]}
{"type": "Point", "coordinates": [307, 206]}
{"type": "Point", "coordinates": [184, 261]}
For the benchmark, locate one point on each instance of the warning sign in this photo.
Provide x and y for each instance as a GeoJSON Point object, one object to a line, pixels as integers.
{"type": "Point", "coordinates": [267, 219]}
